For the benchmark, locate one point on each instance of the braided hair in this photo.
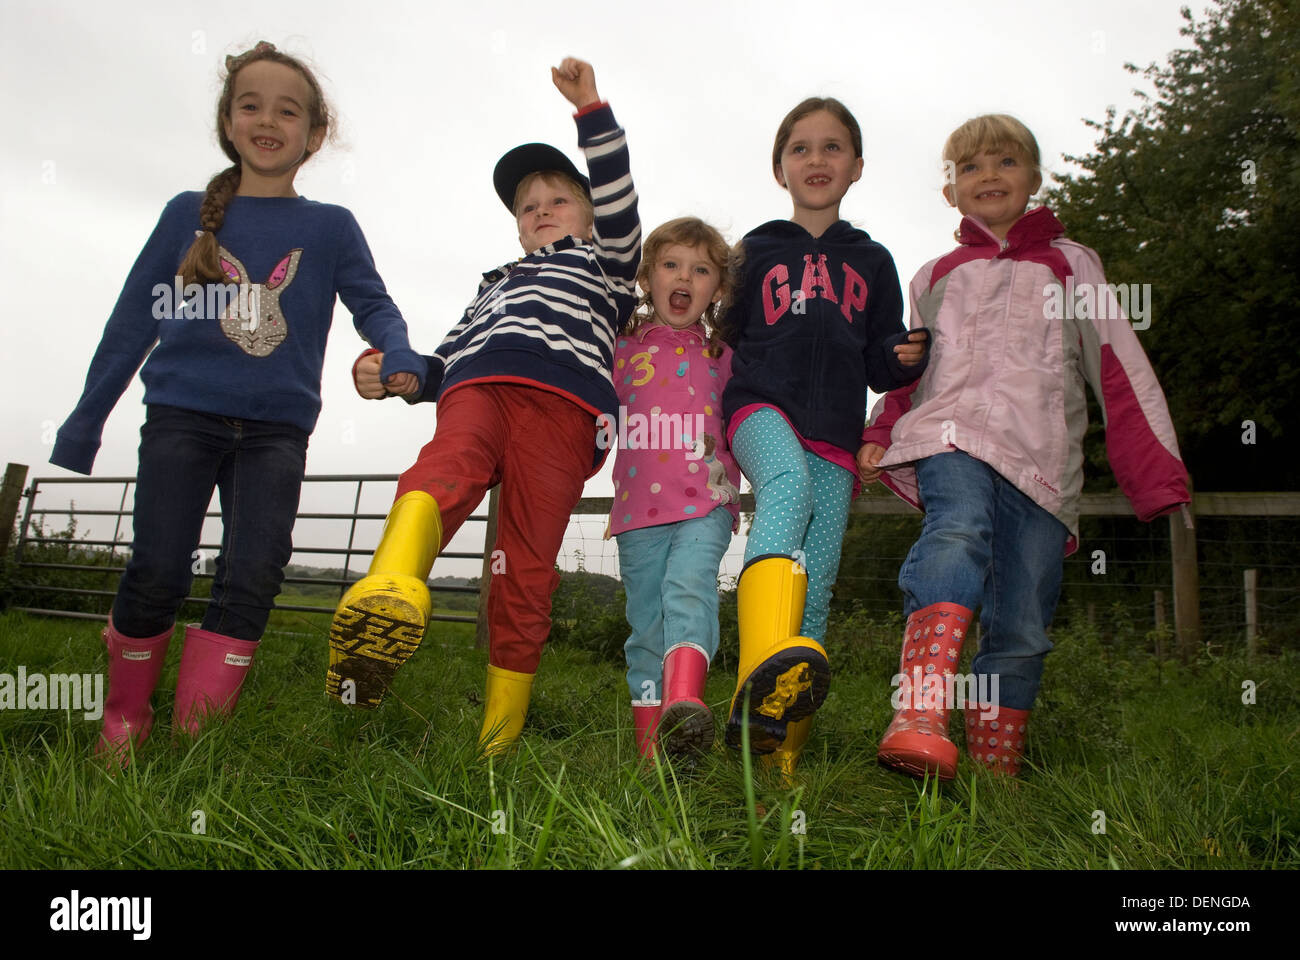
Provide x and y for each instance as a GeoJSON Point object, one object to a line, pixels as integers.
{"type": "Point", "coordinates": [201, 262]}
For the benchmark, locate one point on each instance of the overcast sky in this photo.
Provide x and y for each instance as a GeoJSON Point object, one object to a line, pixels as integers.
{"type": "Point", "coordinates": [108, 113]}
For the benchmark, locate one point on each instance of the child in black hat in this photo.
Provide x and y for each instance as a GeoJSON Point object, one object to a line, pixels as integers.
{"type": "Point", "coordinates": [520, 382]}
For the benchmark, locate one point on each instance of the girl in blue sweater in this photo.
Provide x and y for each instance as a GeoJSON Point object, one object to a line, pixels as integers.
{"type": "Point", "coordinates": [240, 314]}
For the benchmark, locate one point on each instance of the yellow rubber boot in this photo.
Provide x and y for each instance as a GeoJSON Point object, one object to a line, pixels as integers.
{"type": "Point", "coordinates": [508, 694]}
{"type": "Point", "coordinates": [786, 757]}
{"type": "Point", "coordinates": [787, 675]}
{"type": "Point", "coordinates": [381, 620]}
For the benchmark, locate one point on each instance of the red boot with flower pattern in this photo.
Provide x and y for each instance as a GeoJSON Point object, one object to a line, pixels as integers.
{"type": "Point", "coordinates": [917, 740]}
{"type": "Point", "coordinates": [997, 743]}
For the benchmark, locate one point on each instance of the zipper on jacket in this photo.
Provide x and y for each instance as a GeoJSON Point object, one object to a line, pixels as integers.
{"type": "Point", "coordinates": [814, 414]}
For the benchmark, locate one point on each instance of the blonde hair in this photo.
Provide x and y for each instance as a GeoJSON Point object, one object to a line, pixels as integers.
{"type": "Point", "coordinates": [201, 262]}
{"type": "Point", "coordinates": [992, 132]}
{"type": "Point", "coordinates": [553, 178]}
{"type": "Point", "coordinates": [689, 232]}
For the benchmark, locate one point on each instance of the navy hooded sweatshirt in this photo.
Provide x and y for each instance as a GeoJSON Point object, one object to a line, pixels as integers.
{"type": "Point", "coordinates": [814, 324]}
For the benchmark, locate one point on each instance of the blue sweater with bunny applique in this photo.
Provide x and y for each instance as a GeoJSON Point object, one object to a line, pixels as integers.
{"type": "Point", "coordinates": [253, 348]}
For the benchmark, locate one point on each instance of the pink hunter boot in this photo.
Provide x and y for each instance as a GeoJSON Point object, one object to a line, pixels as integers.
{"type": "Point", "coordinates": [133, 670]}
{"type": "Point", "coordinates": [685, 723]}
{"type": "Point", "coordinates": [917, 740]}
{"type": "Point", "coordinates": [213, 668]}
{"type": "Point", "coordinates": [645, 720]}
{"type": "Point", "coordinates": [998, 744]}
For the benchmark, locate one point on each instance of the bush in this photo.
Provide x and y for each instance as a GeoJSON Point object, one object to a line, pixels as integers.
{"type": "Point", "coordinates": [22, 585]}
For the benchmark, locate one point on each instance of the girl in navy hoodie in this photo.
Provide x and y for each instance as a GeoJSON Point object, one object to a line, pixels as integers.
{"type": "Point", "coordinates": [817, 320]}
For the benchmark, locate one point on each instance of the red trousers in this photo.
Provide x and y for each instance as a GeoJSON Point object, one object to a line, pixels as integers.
{"type": "Point", "coordinates": [539, 447]}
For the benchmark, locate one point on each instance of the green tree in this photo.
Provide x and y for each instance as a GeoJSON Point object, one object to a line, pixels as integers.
{"type": "Point", "coordinates": [1196, 191]}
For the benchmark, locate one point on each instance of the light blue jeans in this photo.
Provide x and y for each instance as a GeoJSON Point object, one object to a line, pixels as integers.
{"type": "Point", "coordinates": [985, 544]}
{"type": "Point", "coordinates": [801, 507]}
{"type": "Point", "coordinates": [670, 574]}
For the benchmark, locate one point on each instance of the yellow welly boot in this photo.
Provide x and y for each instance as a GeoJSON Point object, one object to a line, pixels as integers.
{"type": "Point", "coordinates": [508, 694]}
{"type": "Point", "coordinates": [787, 675]}
{"type": "Point", "coordinates": [381, 620]}
{"type": "Point", "coordinates": [786, 757]}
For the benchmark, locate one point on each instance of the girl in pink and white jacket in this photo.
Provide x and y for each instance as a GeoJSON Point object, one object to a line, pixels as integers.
{"type": "Point", "coordinates": [989, 442]}
{"type": "Point", "coordinates": [676, 486]}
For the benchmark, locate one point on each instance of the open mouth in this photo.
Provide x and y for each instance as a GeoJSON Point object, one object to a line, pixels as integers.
{"type": "Point", "coordinates": [266, 144]}
{"type": "Point", "coordinates": [679, 300]}
{"type": "Point", "coordinates": [991, 195]}
{"type": "Point", "coordinates": [818, 181]}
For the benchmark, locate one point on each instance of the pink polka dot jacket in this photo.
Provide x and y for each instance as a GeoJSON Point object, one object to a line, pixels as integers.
{"type": "Point", "coordinates": [673, 463]}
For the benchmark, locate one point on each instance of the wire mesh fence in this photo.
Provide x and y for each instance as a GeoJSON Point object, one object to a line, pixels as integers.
{"type": "Point", "coordinates": [75, 534]}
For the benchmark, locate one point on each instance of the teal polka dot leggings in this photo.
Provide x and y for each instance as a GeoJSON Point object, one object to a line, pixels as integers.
{"type": "Point", "coordinates": [801, 506]}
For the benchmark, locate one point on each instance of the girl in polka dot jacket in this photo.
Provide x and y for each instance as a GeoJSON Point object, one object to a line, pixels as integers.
{"type": "Point", "coordinates": [675, 483]}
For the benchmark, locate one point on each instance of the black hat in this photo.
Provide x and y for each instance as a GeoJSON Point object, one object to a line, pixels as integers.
{"type": "Point", "coordinates": [531, 158]}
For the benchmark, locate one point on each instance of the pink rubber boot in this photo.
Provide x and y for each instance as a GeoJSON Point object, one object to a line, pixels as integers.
{"type": "Point", "coordinates": [213, 668]}
{"type": "Point", "coordinates": [686, 722]}
{"type": "Point", "coordinates": [645, 720]}
{"type": "Point", "coordinates": [133, 670]}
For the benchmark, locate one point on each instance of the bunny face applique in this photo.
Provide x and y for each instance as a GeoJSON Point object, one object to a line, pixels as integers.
{"type": "Point", "coordinates": [253, 320]}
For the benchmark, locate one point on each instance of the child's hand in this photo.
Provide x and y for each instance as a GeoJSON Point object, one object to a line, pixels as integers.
{"type": "Point", "coordinates": [909, 354]}
{"type": "Point", "coordinates": [365, 375]}
{"type": "Point", "coordinates": [402, 384]}
{"type": "Point", "coordinates": [577, 81]}
{"type": "Point", "coordinates": [868, 457]}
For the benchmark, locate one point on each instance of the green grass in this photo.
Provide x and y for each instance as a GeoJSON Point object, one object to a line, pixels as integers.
{"type": "Point", "coordinates": [1185, 773]}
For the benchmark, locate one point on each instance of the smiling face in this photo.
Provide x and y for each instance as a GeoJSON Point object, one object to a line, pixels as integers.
{"type": "Point", "coordinates": [548, 208]}
{"type": "Point", "coordinates": [995, 186]}
{"type": "Point", "coordinates": [818, 162]}
{"type": "Point", "coordinates": [684, 281]}
{"type": "Point", "coordinates": [269, 124]}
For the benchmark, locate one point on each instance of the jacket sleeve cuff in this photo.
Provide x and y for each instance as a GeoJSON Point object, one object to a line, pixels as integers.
{"type": "Point", "coordinates": [75, 455]}
{"type": "Point", "coordinates": [357, 362]}
{"type": "Point", "coordinates": [404, 361]}
{"type": "Point", "coordinates": [594, 121]}
{"type": "Point", "coordinates": [432, 381]}
{"type": "Point", "coordinates": [1158, 503]}
{"type": "Point", "coordinates": [900, 374]}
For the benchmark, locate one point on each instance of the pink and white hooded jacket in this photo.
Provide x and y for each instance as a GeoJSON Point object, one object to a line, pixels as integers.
{"type": "Point", "coordinates": [1015, 331]}
{"type": "Point", "coordinates": [673, 463]}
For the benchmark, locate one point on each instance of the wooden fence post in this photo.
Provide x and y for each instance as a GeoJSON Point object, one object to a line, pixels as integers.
{"type": "Point", "coordinates": [1187, 591]}
{"type": "Point", "coordinates": [1158, 600]}
{"type": "Point", "coordinates": [485, 578]}
{"type": "Point", "coordinates": [1252, 612]}
{"type": "Point", "coordinates": [10, 492]}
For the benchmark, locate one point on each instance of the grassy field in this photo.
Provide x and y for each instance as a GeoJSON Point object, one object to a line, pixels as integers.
{"type": "Point", "coordinates": [1185, 773]}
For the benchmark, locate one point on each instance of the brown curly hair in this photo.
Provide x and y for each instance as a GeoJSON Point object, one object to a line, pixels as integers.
{"type": "Point", "coordinates": [689, 232]}
{"type": "Point", "coordinates": [812, 105]}
{"type": "Point", "coordinates": [201, 262]}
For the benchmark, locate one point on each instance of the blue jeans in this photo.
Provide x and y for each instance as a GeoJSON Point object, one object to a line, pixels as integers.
{"type": "Point", "coordinates": [258, 467]}
{"type": "Point", "coordinates": [985, 544]}
{"type": "Point", "coordinates": [801, 507]}
{"type": "Point", "coordinates": [670, 574]}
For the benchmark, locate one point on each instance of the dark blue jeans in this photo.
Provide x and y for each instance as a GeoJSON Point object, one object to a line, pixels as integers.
{"type": "Point", "coordinates": [985, 544]}
{"type": "Point", "coordinates": [258, 467]}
